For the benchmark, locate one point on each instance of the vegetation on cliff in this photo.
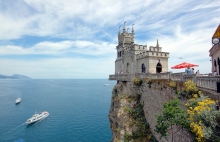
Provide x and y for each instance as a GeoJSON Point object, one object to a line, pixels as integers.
{"type": "Point", "coordinates": [127, 118]}
{"type": "Point", "coordinates": [143, 132]}
{"type": "Point", "coordinates": [203, 116]}
{"type": "Point", "coordinates": [172, 115]}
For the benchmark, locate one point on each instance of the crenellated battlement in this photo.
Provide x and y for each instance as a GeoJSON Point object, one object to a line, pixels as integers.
{"type": "Point", "coordinates": [152, 54]}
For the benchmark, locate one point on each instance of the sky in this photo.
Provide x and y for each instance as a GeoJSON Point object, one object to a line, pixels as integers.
{"type": "Point", "coordinates": [77, 39]}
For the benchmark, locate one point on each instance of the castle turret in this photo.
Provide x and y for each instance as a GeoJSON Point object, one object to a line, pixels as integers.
{"type": "Point", "coordinates": [132, 29]}
{"type": "Point", "coordinates": [124, 29]}
{"type": "Point", "coordinates": [119, 30]}
{"type": "Point", "coordinates": [157, 43]}
{"type": "Point", "coordinates": [132, 33]}
{"type": "Point", "coordinates": [126, 38]}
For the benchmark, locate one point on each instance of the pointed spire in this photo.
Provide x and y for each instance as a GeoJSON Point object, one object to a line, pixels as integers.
{"type": "Point", "coordinates": [119, 30]}
{"type": "Point", "coordinates": [124, 29]}
{"type": "Point", "coordinates": [157, 43]}
{"type": "Point", "coordinates": [132, 28]}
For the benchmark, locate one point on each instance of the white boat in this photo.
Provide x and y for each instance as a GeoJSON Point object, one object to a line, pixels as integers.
{"type": "Point", "coordinates": [18, 100]}
{"type": "Point", "coordinates": [106, 84]}
{"type": "Point", "coordinates": [37, 117]}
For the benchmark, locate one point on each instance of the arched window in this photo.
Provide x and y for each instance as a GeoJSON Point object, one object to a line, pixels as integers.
{"type": "Point", "coordinates": [159, 67]}
{"type": "Point", "coordinates": [218, 66]}
{"type": "Point", "coordinates": [143, 69]}
{"type": "Point", "coordinates": [127, 71]}
{"type": "Point", "coordinates": [215, 64]}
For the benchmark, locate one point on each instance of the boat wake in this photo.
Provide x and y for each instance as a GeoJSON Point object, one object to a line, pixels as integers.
{"type": "Point", "coordinates": [13, 129]}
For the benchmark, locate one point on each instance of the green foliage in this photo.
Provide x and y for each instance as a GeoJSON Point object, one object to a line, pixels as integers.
{"type": "Point", "coordinates": [172, 114]}
{"type": "Point", "coordinates": [127, 137]}
{"type": "Point", "coordinates": [149, 81]}
{"type": "Point", "coordinates": [133, 97]}
{"type": "Point", "coordinates": [139, 119]}
{"type": "Point", "coordinates": [172, 84]}
{"type": "Point", "coordinates": [137, 81]}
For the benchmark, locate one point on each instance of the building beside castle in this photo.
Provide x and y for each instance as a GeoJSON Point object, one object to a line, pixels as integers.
{"type": "Point", "coordinates": [134, 58]}
{"type": "Point", "coordinates": [214, 52]}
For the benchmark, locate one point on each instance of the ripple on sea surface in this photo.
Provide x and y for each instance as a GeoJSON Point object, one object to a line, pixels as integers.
{"type": "Point", "coordinates": [78, 110]}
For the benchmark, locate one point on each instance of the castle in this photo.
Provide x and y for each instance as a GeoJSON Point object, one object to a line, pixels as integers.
{"type": "Point", "coordinates": [134, 58]}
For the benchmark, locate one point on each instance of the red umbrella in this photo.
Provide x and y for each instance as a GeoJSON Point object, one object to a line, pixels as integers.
{"type": "Point", "coordinates": [184, 65]}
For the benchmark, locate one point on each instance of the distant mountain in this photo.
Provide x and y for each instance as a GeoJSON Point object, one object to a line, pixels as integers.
{"type": "Point", "coordinates": [15, 76]}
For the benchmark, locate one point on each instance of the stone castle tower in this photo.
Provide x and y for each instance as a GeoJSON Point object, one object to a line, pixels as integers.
{"type": "Point", "coordinates": [134, 58]}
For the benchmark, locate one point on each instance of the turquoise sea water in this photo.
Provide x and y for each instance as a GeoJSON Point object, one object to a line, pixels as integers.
{"type": "Point", "coordinates": [78, 110]}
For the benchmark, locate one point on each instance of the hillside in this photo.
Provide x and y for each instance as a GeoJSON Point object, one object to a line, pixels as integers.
{"type": "Point", "coordinates": [15, 76]}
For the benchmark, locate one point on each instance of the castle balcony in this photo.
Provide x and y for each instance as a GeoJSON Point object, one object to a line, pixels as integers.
{"type": "Point", "coordinates": [203, 81]}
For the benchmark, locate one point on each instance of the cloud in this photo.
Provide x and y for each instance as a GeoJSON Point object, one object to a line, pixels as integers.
{"type": "Point", "coordinates": [59, 68]}
{"type": "Point", "coordinates": [63, 47]}
{"type": "Point", "coordinates": [86, 32]}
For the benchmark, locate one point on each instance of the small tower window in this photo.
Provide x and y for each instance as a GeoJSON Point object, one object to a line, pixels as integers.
{"type": "Point", "coordinates": [143, 69]}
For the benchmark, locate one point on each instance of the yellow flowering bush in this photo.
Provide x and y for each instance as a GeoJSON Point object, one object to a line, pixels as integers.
{"type": "Point", "coordinates": [172, 84]}
{"type": "Point", "coordinates": [189, 89]}
{"type": "Point", "coordinates": [202, 115]}
{"type": "Point", "coordinates": [190, 86]}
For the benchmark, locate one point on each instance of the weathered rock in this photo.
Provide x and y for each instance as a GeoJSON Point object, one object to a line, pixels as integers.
{"type": "Point", "coordinates": [152, 98]}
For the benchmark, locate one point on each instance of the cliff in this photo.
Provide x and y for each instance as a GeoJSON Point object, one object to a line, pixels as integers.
{"type": "Point", "coordinates": [133, 109]}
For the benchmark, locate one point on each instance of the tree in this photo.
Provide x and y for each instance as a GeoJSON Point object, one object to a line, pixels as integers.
{"type": "Point", "coordinates": [172, 114]}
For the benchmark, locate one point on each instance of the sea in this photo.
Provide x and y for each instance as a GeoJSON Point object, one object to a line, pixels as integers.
{"type": "Point", "coordinates": [78, 110]}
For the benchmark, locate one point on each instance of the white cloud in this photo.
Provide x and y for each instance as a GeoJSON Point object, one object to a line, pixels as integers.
{"type": "Point", "coordinates": [60, 68]}
{"type": "Point", "coordinates": [59, 48]}
{"type": "Point", "coordinates": [89, 29]}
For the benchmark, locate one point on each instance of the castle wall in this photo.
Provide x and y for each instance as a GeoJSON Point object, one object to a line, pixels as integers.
{"type": "Point", "coordinates": [128, 64]}
{"type": "Point", "coordinates": [118, 66]}
{"type": "Point", "coordinates": [153, 62]}
{"type": "Point", "coordinates": [141, 61]}
{"type": "Point", "coordinates": [215, 58]}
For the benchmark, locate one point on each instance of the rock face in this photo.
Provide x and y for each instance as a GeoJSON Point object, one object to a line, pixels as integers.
{"type": "Point", "coordinates": [133, 109]}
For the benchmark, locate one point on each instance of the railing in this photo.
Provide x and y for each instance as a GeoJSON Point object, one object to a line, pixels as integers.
{"type": "Point", "coordinates": [122, 77]}
{"type": "Point", "coordinates": [207, 81]}
{"type": "Point", "coordinates": [204, 81]}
